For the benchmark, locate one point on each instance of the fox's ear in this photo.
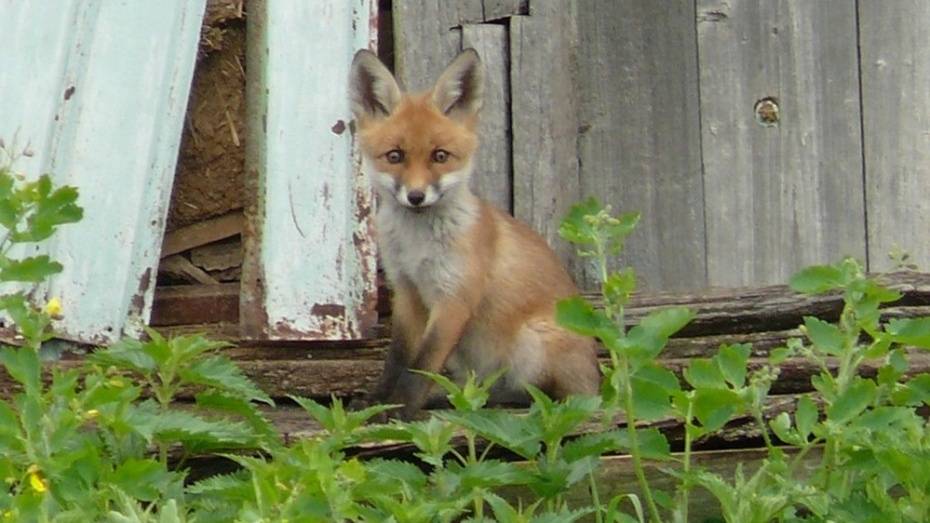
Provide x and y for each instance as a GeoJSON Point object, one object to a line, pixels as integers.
{"type": "Point", "coordinates": [373, 91]}
{"type": "Point", "coordinates": [459, 92]}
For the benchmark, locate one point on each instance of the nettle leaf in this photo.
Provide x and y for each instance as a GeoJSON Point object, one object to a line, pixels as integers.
{"type": "Point", "coordinates": [918, 389]}
{"type": "Point", "coordinates": [488, 474]}
{"type": "Point", "coordinates": [857, 397]}
{"type": "Point", "coordinates": [704, 373]}
{"type": "Point", "coordinates": [732, 360]}
{"type": "Point", "coordinates": [32, 269]}
{"type": "Point", "coordinates": [824, 336]}
{"type": "Point", "coordinates": [23, 366]}
{"type": "Point", "coordinates": [805, 416]}
{"type": "Point", "coordinates": [126, 354]}
{"type": "Point", "coordinates": [653, 444]}
{"type": "Point", "coordinates": [818, 279]}
{"type": "Point", "coordinates": [910, 331]}
{"type": "Point", "coordinates": [221, 373]}
{"type": "Point", "coordinates": [781, 426]}
{"type": "Point", "coordinates": [595, 444]}
{"type": "Point", "coordinates": [143, 479]}
{"type": "Point", "coordinates": [714, 407]}
{"type": "Point", "coordinates": [241, 407]}
{"type": "Point", "coordinates": [516, 433]}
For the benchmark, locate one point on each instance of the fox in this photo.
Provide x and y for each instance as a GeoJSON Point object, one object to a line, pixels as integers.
{"type": "Point", "coordinates": [474, 289]}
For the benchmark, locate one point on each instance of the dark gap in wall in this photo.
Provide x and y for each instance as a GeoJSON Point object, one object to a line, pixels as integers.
{"type": "Point", "coordinates": [386, 33]}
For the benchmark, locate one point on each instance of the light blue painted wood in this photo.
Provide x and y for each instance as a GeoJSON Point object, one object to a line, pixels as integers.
{"type": "Point", "coordinates": [309, 269]}
{"type": "Point", "coordinates": [99, 89]}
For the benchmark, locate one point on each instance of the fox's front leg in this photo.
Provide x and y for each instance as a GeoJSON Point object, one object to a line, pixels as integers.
{"type": "Point", "coordinates": [447, 321]}
{"type": "Point", "coordinates": [408, 321]}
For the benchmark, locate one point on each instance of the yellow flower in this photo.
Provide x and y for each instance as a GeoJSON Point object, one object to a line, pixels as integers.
{"type": "Point", "coordinates": [36, 481]}
{"type": "Point", "coordinates": [53, 307]}
{"type": "Point", "coordinates": [92, 414]}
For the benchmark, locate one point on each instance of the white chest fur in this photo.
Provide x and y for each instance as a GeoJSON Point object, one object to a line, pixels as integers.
{"type": "Point", "coordinates": [423, 247]}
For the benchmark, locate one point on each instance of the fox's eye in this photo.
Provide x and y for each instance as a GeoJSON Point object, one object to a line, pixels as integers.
{"type": "Point", "coordinates": [395, 156]}
{"type": "Point", "coordinates": [440, 155]}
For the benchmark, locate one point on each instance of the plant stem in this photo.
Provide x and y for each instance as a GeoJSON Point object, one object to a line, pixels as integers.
{"type": "Point", "coordinates": [686, 485]}
{"type": "Point", "coordinates": [478, 499]}
{"type": "Point", "coordinates": [595, 497]}
{"type": "Point", "coordinates": [634, 443]}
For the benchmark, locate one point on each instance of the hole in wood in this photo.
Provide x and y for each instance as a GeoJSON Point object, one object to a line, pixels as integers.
{"type": "Point", "coordinates": [767, 111]}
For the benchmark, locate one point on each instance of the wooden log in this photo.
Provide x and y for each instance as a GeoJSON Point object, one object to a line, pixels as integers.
{"type": "Point", "coordinates": [202, 233]}
{"type": "Point", "coordinates": [192, 304]}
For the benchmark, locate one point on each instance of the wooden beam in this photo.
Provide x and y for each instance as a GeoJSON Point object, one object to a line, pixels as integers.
{"type": "Point", "coordinates": [202, 233]}
{"type": "Point", "coordinates": [192, 304]}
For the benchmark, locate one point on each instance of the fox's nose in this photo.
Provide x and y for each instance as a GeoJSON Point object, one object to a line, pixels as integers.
{"type": "Point", "coordinates": [415, 197]}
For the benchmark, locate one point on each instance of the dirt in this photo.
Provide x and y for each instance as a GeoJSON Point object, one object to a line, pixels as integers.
{"type": "Point", "coordinates": [209, 177]}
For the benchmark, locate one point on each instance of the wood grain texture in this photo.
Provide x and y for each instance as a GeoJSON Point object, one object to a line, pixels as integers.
{"type": "Point", "coordinates": [639, 144]}
{"type": "Point", "coordinates": [309, 260]}
{"type": "Point", "coordinates": [544, 117]}
{"type": "Point", "coordinates": [427, 36]}
{"type": "Point", "coordinates": [784, 196]}
{"type": "Point", "coordinates": [896, 128]}
{"type": "Point", "coordinates": [98, 91]}
{"type": "Point", "coordinates": [492, 175]}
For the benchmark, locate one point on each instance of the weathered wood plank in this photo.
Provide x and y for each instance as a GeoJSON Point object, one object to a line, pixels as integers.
{"type": "Point", "coordinates": [98, 90]}
{"type": "Point", "coordinates": [492, 175]}
{"type": "Point", "coordinates": [896, 128]}
{"type": "Point", "coordinates": [786, 194]}
{"type": "Point", "coordinates": [193, 304]}
{"type": "Point", "coordinates": [544, 118]}
{"type": "Point", "coordinates": [202, 233]}
{"type": "Point", "coordinates": [497, 9]}
{"type": "Point", "coordinates": [639, 141]}
{"type": "Point", "coordinates": [309, 262]}
{"type": "Point", "coordinates": [179, 266]}
{"type": "Point", "coordinates": [427, 36]}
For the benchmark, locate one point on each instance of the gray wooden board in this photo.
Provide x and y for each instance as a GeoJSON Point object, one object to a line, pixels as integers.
{"type": "Point", "coordinates": [896, 128]}
{"type": "Point", "coordinates": [780, 197]}
{"type": "Point", "coordinates": [427, 36]}
{"type": "Point", "coordinates": [544, 117]}
{"type": "Point", "coordinates": [491, 178]}
{"type": "Point", "coordinates": [639, 139]}
{"type": "Point", "coordinates": [497, 9]}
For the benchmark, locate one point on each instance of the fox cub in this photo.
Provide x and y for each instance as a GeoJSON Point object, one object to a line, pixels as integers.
{"type": "Point", "coordinates": [474, 289]}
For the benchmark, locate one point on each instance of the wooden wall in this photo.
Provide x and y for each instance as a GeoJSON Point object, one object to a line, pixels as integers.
{"type": "Point", "coordinates": [668, 108]}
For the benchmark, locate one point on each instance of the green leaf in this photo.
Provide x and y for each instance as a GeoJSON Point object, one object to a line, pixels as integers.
{"type": "Point", "coordinates": [714, 407]}
{"type": "Point", "coordinates": [910, 331]}
{"type": "Point", "coordinates": [854, 400]}
{"type": "Point", "coordinates": [33, 269]}
{"type": "Point", "coordinates": [646, 340]}
{"type": "Point", "coordinates": [143, 479]}
{"type": "Point", "coordinates": [242, 407]}
{"type": "Point", "coordinates": [652, 387]}
{"type": "Point", "coordinates": [595, 444]}
{"type": "Point", "coordinates": [222, 374]}
{"type": "Point", "coordinates": [575, 228]}
{"type": "Point", "coordinates": [578, 315]}
{"type": "Point", "coordinates": [818, 279]}
{"type": "Point", "coordinates": [779, 355]}
{"type": "Point", "coordinates": [805, 416]}
{"type": "Point", "coordinates": [619, 286]}
{"type": "Point", "coordinates": [23, 366]}
{"type": "Point", "coordinates": [703, 373]}
{"type": "Point", "coordinates": [653, 444]}
{"type": "Point", "coordinates": [825, 337]}
{"type": "Point", "coordinates": [731, 360]}
{"type": "Point", "coordinates": [781, 426]}
{"type": "Point", "coordinates": [126, 354]}
{"type": "Point", "coordinates": [518, 434]}
{"type": "Point", "coordinates": [52, 209]}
